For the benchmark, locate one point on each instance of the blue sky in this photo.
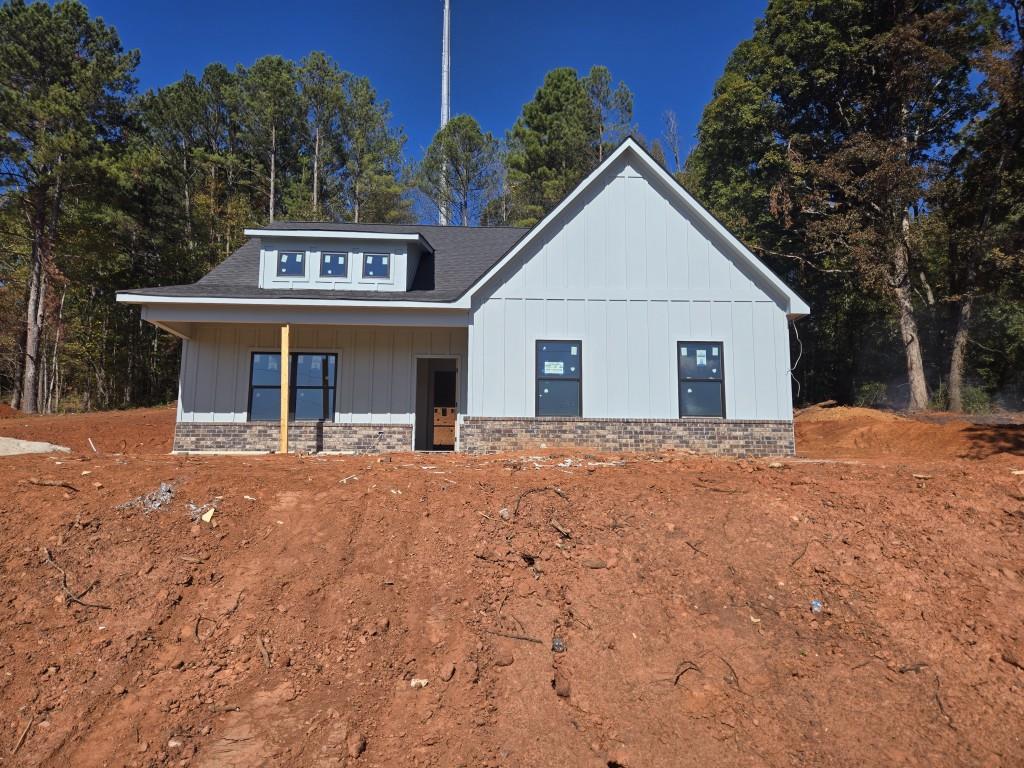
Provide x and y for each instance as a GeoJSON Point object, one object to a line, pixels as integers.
{"type": "Point", "coordinates": [669, 53]}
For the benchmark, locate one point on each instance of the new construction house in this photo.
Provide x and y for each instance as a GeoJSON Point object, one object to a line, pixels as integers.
{"type": "Point", "coordinates": [627, 319]}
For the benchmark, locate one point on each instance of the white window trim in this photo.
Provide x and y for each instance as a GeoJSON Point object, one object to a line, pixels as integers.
{"type": "Point", "coordinates": [321, 279]}
{"type": "Point", "coordinates": [364, 280]}
{"type": "Point", "coordinates": [278, 277]}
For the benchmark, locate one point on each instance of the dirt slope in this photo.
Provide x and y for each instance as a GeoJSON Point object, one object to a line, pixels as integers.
{"type": "Point", "coordinates": [289, 632]}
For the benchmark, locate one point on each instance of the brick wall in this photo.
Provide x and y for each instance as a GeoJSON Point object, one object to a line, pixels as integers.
{"type": "Point", "coordinates": [304, 436]}
{"type": "Point", "coordinates": [725, 437]}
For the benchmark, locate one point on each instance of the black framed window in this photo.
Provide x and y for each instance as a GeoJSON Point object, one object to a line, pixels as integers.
{"type": "Point", "coordinates": [377, 265]}
{"type": "Point", "coordinates": [559, 377]}
{"type": "Point", "coordinates": [333, 264]}
{"type": "Point", "coordinates": [312, 385]}
{"type": "Point", "coordinates": [291, 264]}
{"type": "Point", "coordinates": [701, 378]}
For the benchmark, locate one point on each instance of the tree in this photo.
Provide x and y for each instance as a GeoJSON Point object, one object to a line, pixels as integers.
{"type": "Point", "coordinates": [64, 105]}
{"type": "Point", "coordinates": [819, 138]}
{"type": "Point", "coordinates": [372, 189]}
{"type": "Point", "coordinates": [552, 145]}
{"type": "Point", "coordinates": [459, 170]}
{"type": "Point", "coordinates": [271, 116]}
{"type": "Point", "coordinates": [323, 96]}
{"type": "Point", "coordinates": [613, 109]}
{"type": "Point", "coordinates": [982, 201]}
{"type": "Point", "coordinates": [671, 136]}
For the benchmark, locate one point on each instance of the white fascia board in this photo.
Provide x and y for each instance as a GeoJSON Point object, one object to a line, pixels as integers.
{"type": "Point", "coordinates": [797, 306]}
{"type": "Point", "coordinates": [325, 234]}
{"type": "Point", "coordinates": [127, 297]}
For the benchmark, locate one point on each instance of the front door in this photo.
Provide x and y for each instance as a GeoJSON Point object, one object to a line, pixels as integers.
{"type": "Point", "coordinates": [437, 404]}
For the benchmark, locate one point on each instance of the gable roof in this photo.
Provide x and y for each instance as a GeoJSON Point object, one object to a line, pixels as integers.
{"type": "Point", "coordinates": [456, 264]}
{"type": "Point", "coordinates": [453, 259]}
{"type": "Point", "coordinates": [794, 305]}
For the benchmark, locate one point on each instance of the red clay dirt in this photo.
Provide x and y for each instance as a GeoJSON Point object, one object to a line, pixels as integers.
{"type": "Point", "coordinates": [288, 629]}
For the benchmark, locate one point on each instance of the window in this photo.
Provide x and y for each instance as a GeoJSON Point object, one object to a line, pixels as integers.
{"type": "Point", "coordinates": [291, 264]}
{"type": "Point", "coordinates": [377, 265]}
{"type": "Point", "coordinates": [701, 383]}
{"type": "Point", "coordinates": [559, 378]}
{"type": "Point", "coordinates": [311, 383]}
{"type": "Point", "coordinates": [334, 265]}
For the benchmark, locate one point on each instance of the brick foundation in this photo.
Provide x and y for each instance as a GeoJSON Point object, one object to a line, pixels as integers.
{"type": "Point", "coordinates": [303, 436]}
{"type": "Point", "coordinates": [481, 434]}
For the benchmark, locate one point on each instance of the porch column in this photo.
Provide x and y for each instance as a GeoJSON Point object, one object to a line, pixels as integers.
{"type": "Point", "coordinates": [285, 373]}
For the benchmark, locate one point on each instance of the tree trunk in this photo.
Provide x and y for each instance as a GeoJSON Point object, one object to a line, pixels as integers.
{"type": "Point", "coordinates": [958, 357]}
{"type": "Point", "coordinates": [33, 329]}
{"type": "Point", "coordinates": [918, 399]}
{"type": "Point", "coordinates": [273, 167]}
{"type": "Point", "coordinates": [316, 171]}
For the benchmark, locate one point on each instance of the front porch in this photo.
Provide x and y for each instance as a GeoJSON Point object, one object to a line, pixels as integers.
{"type": "Point", "coordinates": [346, 388]}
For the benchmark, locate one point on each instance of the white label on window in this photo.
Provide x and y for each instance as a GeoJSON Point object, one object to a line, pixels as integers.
{"type": "Point", "coordinates": [702, 357]}
{"type": "Point", "coordinates": [369, 259]}
{"type": "Point", "coordinates": [682, 351]}
{"type": "Point", "coordinates": [714, 370]}
{"type": "Point", "coordinates": [556, 367]}
{"type": "Point", "coordinates": [689, 391]}
{"type": "Point", "coordinates": [284, 257]}
{"type": "Point", "coordinates": [384, 260]}
{"type": "Point", "coordinates": [714, 351]}
{"type": "Point", "coordinates": [546, 390]}
{"type": "Point", "coordinates": [573, 351]}
{"type": "Point", "coordinates": [328, 257]}
{"type": "Point", "coordinates": [298, 258]}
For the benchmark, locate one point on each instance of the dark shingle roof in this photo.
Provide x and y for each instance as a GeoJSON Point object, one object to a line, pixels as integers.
{"type": "Point", "coordinates": [461, 255]}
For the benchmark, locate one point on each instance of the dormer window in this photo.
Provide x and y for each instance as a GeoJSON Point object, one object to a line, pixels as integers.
{"type": "Point", "coordinates": [334, 264]}
{"type": "Point", "coordinates": [291, 264]}
{"type": "Point", "coordinates": [377, 266]}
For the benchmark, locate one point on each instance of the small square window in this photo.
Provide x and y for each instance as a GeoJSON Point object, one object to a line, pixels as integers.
{"type": "Point", "coordinates": [334, 265]}
{"type": "Point", "coordinates": [291, 264]}
{"type": "Point", "coordinates": [377, 265]}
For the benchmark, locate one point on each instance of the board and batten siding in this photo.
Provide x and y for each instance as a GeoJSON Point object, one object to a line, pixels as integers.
{"type": "Point", "coordinates": [628, 272]}
{"type": "Point", "coordinates": [376, 368]}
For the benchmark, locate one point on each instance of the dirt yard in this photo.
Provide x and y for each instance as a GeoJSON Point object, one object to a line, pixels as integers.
{"type": "Point", "coordinates": [861, 604]}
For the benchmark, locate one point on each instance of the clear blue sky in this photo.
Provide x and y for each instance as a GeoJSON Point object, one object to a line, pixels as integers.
{"type": "Point", "coordinates": [669, 53]}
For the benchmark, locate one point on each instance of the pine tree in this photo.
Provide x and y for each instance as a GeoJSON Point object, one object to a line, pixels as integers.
{"type": "Point", "coordinates": [459, 170]}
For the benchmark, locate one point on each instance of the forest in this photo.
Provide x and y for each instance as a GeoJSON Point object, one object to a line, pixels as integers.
{"type": "Point", "coordinates": [869, 152]}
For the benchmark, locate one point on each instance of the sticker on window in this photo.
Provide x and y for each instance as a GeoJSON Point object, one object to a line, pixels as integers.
{"type": "Point", "coordinates": [384, 260]}
{"type": "Point", "coordinates": [714, 351]}
{"type": "Point", "coordinates": [682, 351]}
{"type": "Point", "coordinates": [369, 259]}
{"type": "Point", "coordinates": [284, 257]}
{"type": "Point", "coordinates": [554, 367]}
{"type": "Point", "coordinates": [702, 357]}
{"type": "Point", "coordinates": [573, 351]}
{"type": "Point", "coordinates": [298, 258]}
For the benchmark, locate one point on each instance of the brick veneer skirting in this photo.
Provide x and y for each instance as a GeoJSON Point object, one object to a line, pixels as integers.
{"type": "Point", "coordinates": [304, 436]}
{"type": "Point", "coordinates": [485, 434]}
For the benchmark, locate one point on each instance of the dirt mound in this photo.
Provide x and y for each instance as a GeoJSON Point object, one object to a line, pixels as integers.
{"type": "Point", "coordinates": [562, 610]}
{"type": "Point", "coordinates": [139, 430]}
{"type": "Point", "coordinates": [871, 434]}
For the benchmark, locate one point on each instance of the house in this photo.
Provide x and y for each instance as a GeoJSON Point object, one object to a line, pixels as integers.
{"type": "Point", "coordinates": [627, 319]}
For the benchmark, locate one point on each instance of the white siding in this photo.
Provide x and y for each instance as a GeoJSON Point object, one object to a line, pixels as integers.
{"type": "Point", "coordinates": [629, 273]}
{"type": "Point", "coordinates": [376, 368]}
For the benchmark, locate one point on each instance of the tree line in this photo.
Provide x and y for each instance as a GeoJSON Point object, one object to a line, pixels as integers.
{"type": "Point", "coordinates": [869, 152]}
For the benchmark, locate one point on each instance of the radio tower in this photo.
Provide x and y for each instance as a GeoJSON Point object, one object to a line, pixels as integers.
{"type": "Point", "coordinates": [446, 109]}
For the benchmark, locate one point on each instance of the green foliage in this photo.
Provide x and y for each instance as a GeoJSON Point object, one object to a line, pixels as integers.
{"type": "Point", "coordinates": [562, 134]}
{"type": "Point", "coordinates": [459, 172]}
{"type": "Point", "coordinates": [870, 394]}
{"type": "Point", "coordinates": [975, 399]}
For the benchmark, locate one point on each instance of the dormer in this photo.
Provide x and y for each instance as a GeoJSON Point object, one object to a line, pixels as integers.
{"type": "Point", "coordinates": [338, 260]}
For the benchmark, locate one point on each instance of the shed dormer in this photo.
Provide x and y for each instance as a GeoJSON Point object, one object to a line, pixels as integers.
{"type": "Point", "coordinates": [338, 260]}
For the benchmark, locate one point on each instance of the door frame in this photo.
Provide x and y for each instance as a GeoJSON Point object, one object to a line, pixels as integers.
{"type": "Point", "coordinates": [458, 393]}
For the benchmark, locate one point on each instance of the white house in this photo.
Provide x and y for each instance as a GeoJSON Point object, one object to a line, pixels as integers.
{"type": "Point", "coordinates": [628, 318]}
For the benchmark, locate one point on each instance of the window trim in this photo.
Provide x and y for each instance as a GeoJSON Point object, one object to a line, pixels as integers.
{"type": "Point", "coordinates": [348, 265]}
{"type": "Point", "coordinates": [385, 278]}
{"type": "Point", "coordinates": [305, 261]}
{"type": "Point", "coordinates": [679, 377]}
{"type": "Point", "coordinates": [292, 386]}
{"type": "Point", "coordinates": [537, 378]}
